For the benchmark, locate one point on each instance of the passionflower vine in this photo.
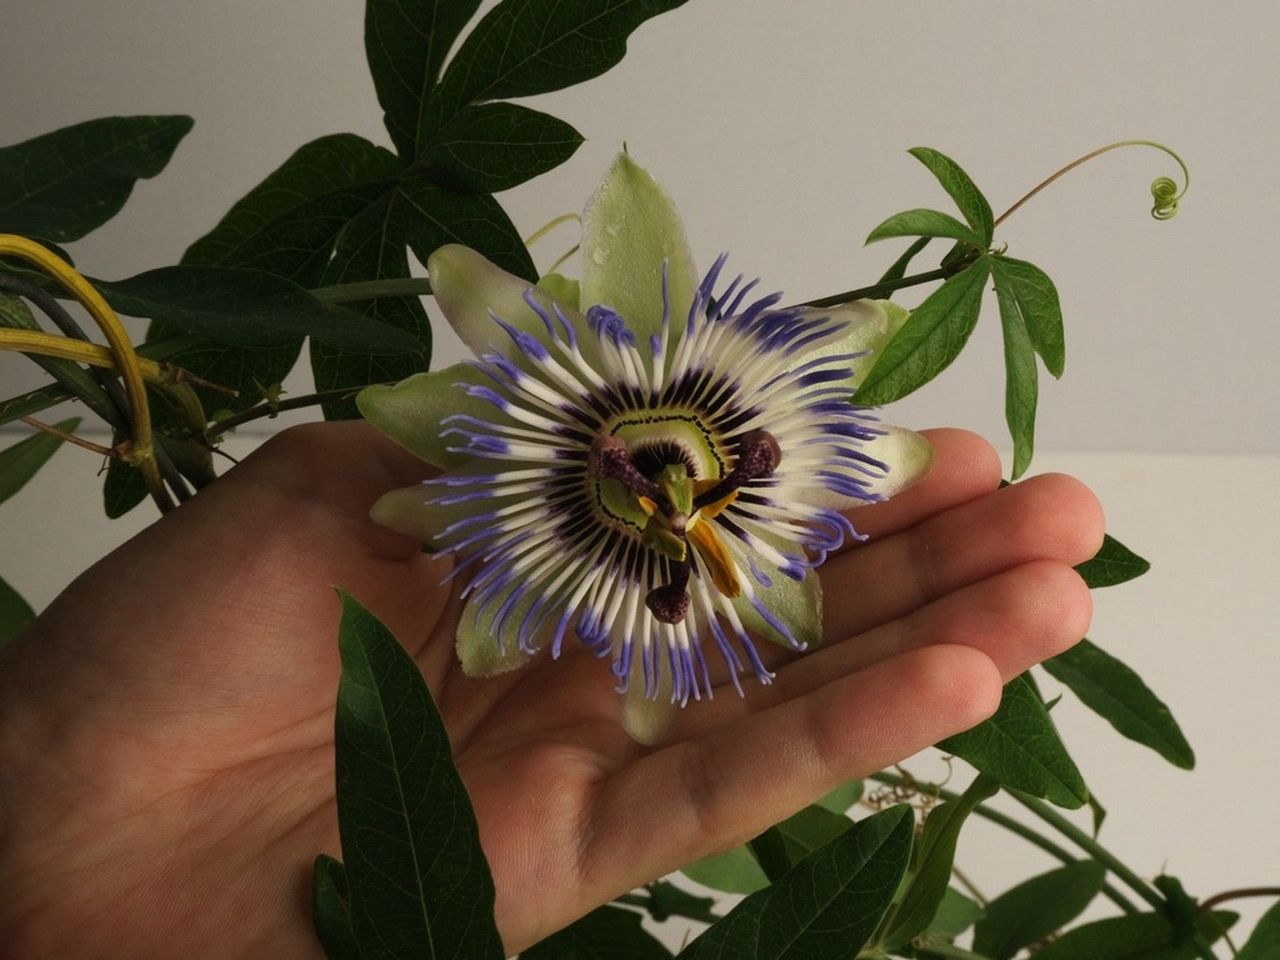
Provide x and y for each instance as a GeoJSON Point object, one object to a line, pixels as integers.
{"type": "Point", "coordinates": [652, 463]}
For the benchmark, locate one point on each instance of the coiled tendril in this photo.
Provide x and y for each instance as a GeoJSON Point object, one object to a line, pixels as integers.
{"type": "Point", "coordinates": [1164, 190]}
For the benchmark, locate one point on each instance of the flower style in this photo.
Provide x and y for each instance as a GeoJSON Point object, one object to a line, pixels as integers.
{"type": "Point", "coordinates": [654, 465]}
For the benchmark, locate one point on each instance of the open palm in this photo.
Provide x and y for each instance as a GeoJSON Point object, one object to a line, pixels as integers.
{"type": "Point", "coordinates": [166, 729]}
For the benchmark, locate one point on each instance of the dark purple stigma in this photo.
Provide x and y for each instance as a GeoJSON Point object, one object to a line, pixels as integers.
{"type": "Point", "coordinates": [758, 456]}
{"type": "Point", "coordinates": [670, 602]}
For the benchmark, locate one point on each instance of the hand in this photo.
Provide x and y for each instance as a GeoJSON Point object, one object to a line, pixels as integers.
{"type": "Point", "coordinates": [166, 727]}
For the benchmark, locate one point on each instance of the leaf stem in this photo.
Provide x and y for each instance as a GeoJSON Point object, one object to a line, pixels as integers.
{"type": "Point", "coordinates": [877, 290]}
{"type": "Point", "coordinates": [1166, 201]}
{"type": "Point", "coordinates": [372, 289]}
{"type": "Point", "coordinates": [1243, 892]}
{"type": "Point", "coordinates": [1019, 829]}
{"type": "Point", "coordinates": [272, 408]}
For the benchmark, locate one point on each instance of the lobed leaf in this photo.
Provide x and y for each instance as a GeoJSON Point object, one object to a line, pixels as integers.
{"type": "Point", "coordinates": [734, 871]}
{"type": "Point", "coordinates": [925, 223]}
{"type": "Point", "coordinates": [247, 308]}
{"type": "Point", "coordinates": [931, 864]}
{"type": "Point", "coordinates": [968, 198]}
{"type": "Point", "coordinates": [827, 907]}
{"type": "Point", "coordinates": [406, 44]}
{"type": "Point", "coordinates": [1035, 298]}
{"type": "Point", "coordinates": [523, 47]}
{"type": "Point", "coordinates": [1113, 563]}
{"type": "Point", "coordinates": [1021, 381]}
{"type": "Point", "coordinates": [1019, 746]}
{"type": "Point", "coordinates": [606, 933]}
{"type": "Point", "coordinates": [372, 247]}
{"type": "Point", "coordinates": [331, 906]}
{"type": "Point", "coordinates": [1264, 942]}
{"type": "Point", "coordinates": [288, 224]}
{"type": "Point", "coordinates": [931, 338]}
{"type": "Point", "coordinates": [1036, 908]}
{"type": "Point", "coordinates": [418, 880]}
{"type": "Point", "coordinates": [1117, 694]}
{"type": "Point", "coordinates": [956, 913]}
{"type": "Point", "coordinates": [490, 147]}
{"type": "Point", "coordinates": [898, 269]}
{"type": "Point", "coordinates": [62, 185]}
{"type": "Point", "coordinates": [1133, 936]}
{"type": "Point", "coordinates": [15, 613]}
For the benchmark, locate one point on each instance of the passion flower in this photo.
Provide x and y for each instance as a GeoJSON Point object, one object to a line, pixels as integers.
{"type": "Point", "coordinates": [651, 466]}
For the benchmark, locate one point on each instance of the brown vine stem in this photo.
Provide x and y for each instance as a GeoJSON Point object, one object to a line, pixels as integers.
{"type": "Point", "coordinates": [272, 408]}
{"type": "Point", "coordinates": [1240, 894]}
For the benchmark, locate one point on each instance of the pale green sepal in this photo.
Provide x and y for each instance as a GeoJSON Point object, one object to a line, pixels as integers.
{"type": "Point", "coordinates": [647, 721]}
{"type": "Point", "coordinates": [416, 511]}
{"type": "Point", "coordinates": [410, 412]}
{"type": "Point", "coordinates": [478, 649]}
{"type": "Point", "coordinates": [407, 511]}
{"type": "Point", "coordinates": [629, 227]}
{"type": "Point", "coordinates": [562, 289]}
{"type": "Point", "coordinates": [870, 324]}
{"type": "Point", "coordinates": [470, 290]}
{"type": "Point", "coordinates": [797, 603]}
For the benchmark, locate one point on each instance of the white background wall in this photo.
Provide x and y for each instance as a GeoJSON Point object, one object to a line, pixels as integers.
{"type": "Point", "coordinates": [780, 129]}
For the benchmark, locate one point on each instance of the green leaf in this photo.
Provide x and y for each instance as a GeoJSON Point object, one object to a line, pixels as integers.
{"type": "Point", "coordinates": [1036, 908]}
{"type": "Point", "coordinates": [21, 461]}
{"type": "Point", "coordinates": [372, 248]}
{"type": "Point", "coordinates": [288, 224]}
{"type": "Point", "coordinates": [785, 844]}
{"type": "Point", "coordinates": [898, 269]}
{"type": "Point", "coordinates": [827, 907]}
{"type": "Point", "coordinates": [32, 402]}
{"type": "Point", "coordinates": [734, 871]}
{"type": "Point", "coordinates": [968, 198]}
{"type": "Point", "coordinates": [62, 185]}
{"type": "Point", "coordinates": [495, 146]}
{"type": "Point", "coordinates": [842, 797]}
{"type": "Point", "coordinates": [606, 933]}
{"type": "Point", "coordinates": [418, 879]}
{"type": "Point", "coordinates": [956, 913]}
{"type": "Point", "coordinates": [435, 216]}
{"type": "Point", "coordinates": [331, 906]}
{"type": "Point", "coordinates": [1134, 936]}
{"type": "Point", "coordinates": [931, 864]}
{"type": "Point", "coordinates": [15, 613]}
{"type": "Point", "coordinates": [123, 489]}
{"type": "Point", "coordinates": [406, 44]}
{"type": "Point", "coordinates": [1264, 942]}
{"type": "Point", "coordinates": [247, 308]}
{"type": "Point", "coordinates": [252, 372]}
{"type": "Point", "coordinates": [1021, 380]}
{"type": "Point", "coordinates": [1118, 695]}
{"type": "Point", "coordinates": [666, 900]}
{"type": "Point", "coordinates": [523, 47]}
{"type": "Point", "coordinates": [925, 223]}
{"type": "Point", "coordinates": [1020, 747]}
{"type": "Point", "coordinates": [930, 339]}
{"type": "Point", "coordinates": [1113, 563]}
{"type": "Point", "coordinates": [1036, 299]}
